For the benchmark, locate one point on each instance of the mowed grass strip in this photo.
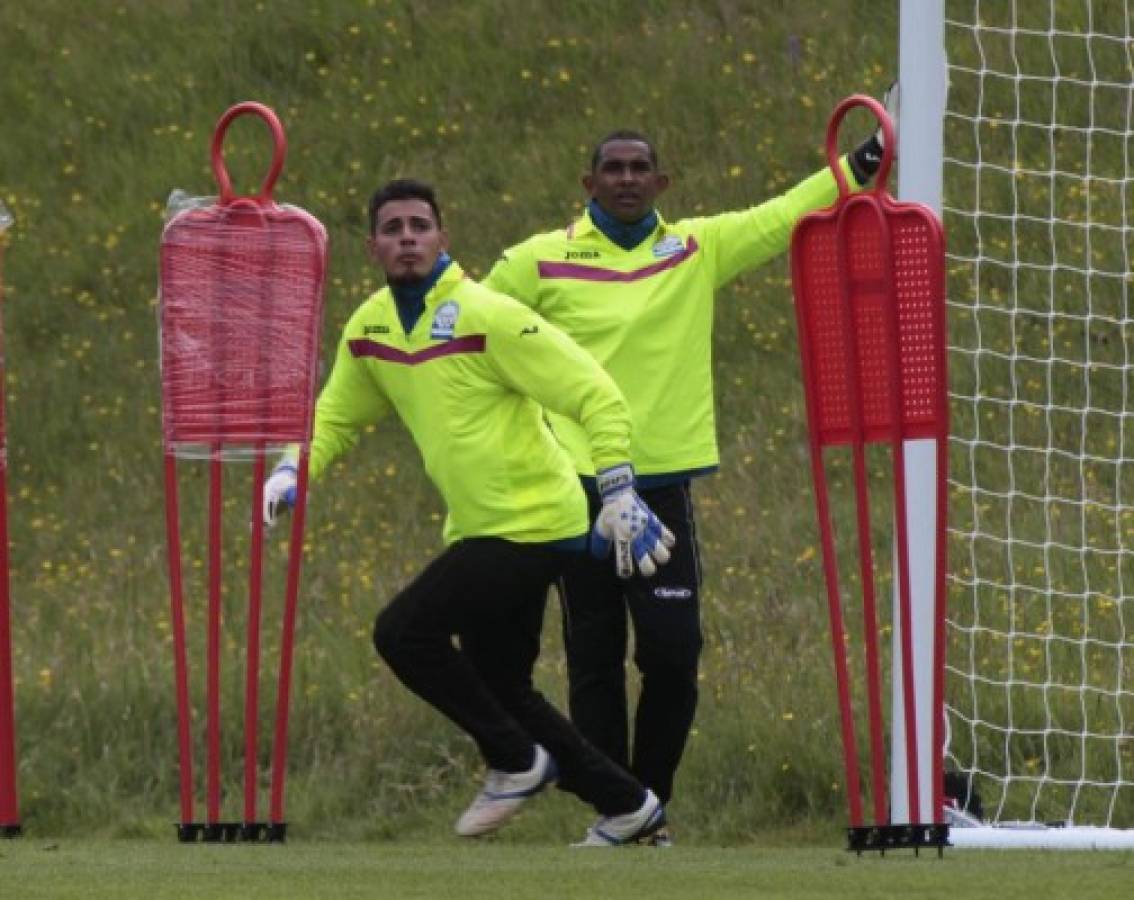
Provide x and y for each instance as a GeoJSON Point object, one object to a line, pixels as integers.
{"type": "Point", "coordinates": [154, 869]}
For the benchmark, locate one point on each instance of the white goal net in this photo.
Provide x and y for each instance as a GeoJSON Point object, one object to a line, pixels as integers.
{"type": "Point", "coordinates": [1038, 207]}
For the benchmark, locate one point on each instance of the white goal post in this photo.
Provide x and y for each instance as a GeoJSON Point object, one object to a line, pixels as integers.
{"type": "Point", "coordinates": [1032, 161]}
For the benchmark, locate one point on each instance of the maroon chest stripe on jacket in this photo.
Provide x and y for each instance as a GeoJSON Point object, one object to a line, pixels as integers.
{"type": "Point", "coordinates": [579, 272]}
{"type": "Point", "coordinates": [470, 343]}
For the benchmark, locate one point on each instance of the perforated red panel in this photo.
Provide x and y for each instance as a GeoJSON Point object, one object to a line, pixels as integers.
{"type": "Point", "coordinates": [852, 266]}
{"type": "Point", "coordinates": [919, 279]}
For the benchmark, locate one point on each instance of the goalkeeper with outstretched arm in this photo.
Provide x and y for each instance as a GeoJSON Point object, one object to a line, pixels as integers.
{"type": "Point", "coordinates": [637, 292]}
{"type": "Point", "coordinates": [469, 372]}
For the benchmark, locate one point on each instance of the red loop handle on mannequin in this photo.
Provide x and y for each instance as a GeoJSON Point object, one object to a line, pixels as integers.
{"type": "Point", "coordinates": [887, 139]}
{"type": "Point", "coordinates": [278, 154]}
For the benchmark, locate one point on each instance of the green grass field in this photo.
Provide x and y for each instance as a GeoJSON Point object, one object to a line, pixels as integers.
{"type": "Point", "coordinates": [499, 108]}
{"type": "Point", "coordinates": [71, 867]}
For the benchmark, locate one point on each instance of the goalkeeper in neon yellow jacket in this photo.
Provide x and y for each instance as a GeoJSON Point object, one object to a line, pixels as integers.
{"type": "Point", "coordinates": [637, 292]}
{"type": "Point", "coordinates": [469, 372]}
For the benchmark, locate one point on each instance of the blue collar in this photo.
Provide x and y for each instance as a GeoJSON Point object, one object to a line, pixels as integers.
{"type": "Point", "coordinates": [410, 298]}
{"type": "Point", "coordinates": [626, 236]}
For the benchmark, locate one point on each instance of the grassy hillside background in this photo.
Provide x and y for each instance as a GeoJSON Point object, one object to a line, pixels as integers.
{"type": "Point", "coordinates": [104, 111]}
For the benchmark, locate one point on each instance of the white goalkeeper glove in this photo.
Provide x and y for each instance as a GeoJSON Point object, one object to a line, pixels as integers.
{"type": "Point", "coordinates": [866, 159]}
{"type": "Point", "coordinates": [638, 536]}
{"type": "Point", "coordinates": [279, 491]}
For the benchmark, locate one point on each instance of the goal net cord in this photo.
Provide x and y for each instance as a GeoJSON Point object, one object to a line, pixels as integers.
{"type": "Point", "coordinates": [1039, 213]}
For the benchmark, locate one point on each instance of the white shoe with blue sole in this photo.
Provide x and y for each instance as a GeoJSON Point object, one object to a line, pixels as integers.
{"type": "Point", "coordinates": [614, 831]}
{"type": "Point", "coordinates": [504, 793]}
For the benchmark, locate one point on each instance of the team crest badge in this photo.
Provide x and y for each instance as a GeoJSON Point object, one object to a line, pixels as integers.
{"type": "Point", "coordinates": [445, 321]}
{"type": "Point", "coordinates": [668, 246]}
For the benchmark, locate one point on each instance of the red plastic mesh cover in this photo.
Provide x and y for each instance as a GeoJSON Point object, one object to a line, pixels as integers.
{"type": "Point", "coordinates": [241, 307]}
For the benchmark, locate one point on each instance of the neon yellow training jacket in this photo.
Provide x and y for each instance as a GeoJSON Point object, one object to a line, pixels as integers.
{"type": "Point", "coordinates": [646, 314]}
{"type": "Point", "coordinates": [469, 382]}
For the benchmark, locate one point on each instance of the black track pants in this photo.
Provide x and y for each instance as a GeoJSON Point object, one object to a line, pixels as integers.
{"type": "Point", "coordinates": [490, 594]}
{"type": "Point", "coordinates": [665, 611]}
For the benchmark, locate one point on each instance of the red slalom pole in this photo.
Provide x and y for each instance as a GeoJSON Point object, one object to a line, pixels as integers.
{"type": "Point", "coordinates": [9, 807]}
{"type": "Point", "coordinates": [177, 626]}
{"type": "Point", "coordinates": [838, 630]}
{"type": "Point", "coordinates": [213, 640]}
{"type": "Point", "coordinates": [287, 643]}
{"type": "Point", "coordinates": [252, 678]}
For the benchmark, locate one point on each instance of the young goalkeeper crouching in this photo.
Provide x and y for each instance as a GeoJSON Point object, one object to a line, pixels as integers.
{"type": "Point", "coordinates": [470, 371]}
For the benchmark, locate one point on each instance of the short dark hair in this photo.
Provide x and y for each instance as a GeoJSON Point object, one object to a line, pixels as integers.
{"type": "Point", "coordinates": [624, 134]}
{"type": "Point", "coordinates": [402, 189]}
